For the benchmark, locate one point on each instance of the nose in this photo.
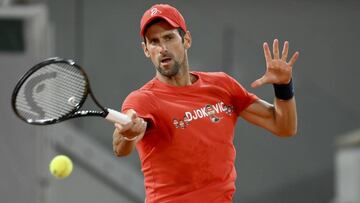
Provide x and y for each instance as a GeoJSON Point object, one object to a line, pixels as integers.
{"type": "Point", "coordinates": [163, 48]}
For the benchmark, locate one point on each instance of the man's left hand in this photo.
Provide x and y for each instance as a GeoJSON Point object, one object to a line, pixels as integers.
{"type": "Point", "coordinates": [278, 71]}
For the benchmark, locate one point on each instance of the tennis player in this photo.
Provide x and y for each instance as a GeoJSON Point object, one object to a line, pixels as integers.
{"type": "Point", "coordinates": [183, 121]}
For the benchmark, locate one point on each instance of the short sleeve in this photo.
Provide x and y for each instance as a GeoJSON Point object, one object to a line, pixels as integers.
{"type": "Point", "coordinates": [141, 103]}
{"type": "Point", "coordinates": [241, 98]}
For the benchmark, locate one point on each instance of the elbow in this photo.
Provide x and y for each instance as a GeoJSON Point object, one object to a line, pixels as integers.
{"type": "Point", "coordinates": [286, 133]}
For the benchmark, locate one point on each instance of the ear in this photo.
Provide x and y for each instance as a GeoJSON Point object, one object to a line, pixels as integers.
{"type": "Point", "coordinates": [187, 40]}
{"type": "Point", "coordinates": [146, 51]}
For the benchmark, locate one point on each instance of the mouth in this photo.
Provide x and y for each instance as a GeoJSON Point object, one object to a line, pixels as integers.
{"type": "Point", "coordinates": [165, 61]}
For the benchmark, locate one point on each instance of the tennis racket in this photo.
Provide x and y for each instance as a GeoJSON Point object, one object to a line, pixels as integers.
{"type": "Point", "coordinates": [54, 91]}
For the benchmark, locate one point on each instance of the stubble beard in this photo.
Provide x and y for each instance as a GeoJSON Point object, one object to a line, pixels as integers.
{"type": "Point", "coordinates": [169, 72]}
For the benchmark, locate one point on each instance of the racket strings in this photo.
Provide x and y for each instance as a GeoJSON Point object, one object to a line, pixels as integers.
{"type": "Point", "coordinates": [51, 92]}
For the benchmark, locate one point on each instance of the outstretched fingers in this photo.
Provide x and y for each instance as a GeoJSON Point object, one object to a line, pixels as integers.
{"type": "Point", "coordinates": [293, 59]}
{"type": "Point", "coordinates": [277, 69]}
{"type": "Point", "coordinates": [267, 53]}
{"type": "Point", "coordinates": [285, 51]}
{"type": "Point", "coordinates": [276, 49]}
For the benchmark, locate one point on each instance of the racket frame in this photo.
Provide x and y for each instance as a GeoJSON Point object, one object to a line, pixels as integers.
{"type": "Point", "coordinates": [76, 112]}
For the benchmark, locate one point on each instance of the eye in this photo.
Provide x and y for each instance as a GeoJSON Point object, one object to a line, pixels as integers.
{"type": "Point", "coordinates": [168, 37]}
{"type": "Point", "coordinates": [154, 41]}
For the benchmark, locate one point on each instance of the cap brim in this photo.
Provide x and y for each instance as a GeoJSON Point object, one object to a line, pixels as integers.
{"type": "Point", "coordinates": [171, 22]}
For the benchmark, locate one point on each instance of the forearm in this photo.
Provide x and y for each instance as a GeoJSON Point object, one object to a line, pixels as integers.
{"type": "Point", "coordinates": [121, 146]}
{"type": "Point", "coordinates": [279, 118]}
{"type": "Point", "coordinates": [127, 135]}
{"type": "Point", "coordinates": [285, 117]}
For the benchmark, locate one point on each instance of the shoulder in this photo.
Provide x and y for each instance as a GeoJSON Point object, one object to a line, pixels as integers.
{"type": "Point", "coordinates": [218, 78]}
{"type": "Point", "coordinates": [222, 79]}
{"type": "Point", "coordinates": [212, 76]}
{"type": "Point", "coordinates": [139, 97]}
{"type": "Point", "coordinates": [143, 91]}
{"type": "Point", "coordinates": [219, 74]}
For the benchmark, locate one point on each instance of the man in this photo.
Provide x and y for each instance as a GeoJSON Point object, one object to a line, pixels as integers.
{"type": "Point", "coordinates": [183, 121]}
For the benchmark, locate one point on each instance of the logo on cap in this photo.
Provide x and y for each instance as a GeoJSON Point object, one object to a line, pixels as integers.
{"type": "Point", "coordinates": [154, 11]}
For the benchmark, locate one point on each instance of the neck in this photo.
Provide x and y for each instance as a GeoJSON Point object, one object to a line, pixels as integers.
{"type": "Point", "coordinates": [182, 78]}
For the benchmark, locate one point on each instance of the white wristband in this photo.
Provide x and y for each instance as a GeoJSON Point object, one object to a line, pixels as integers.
{"type": "Point", "coordinates": [129, 139]}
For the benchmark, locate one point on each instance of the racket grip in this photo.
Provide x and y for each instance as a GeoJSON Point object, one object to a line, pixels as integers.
{"type": "Point", "coordinates": [117, 117]}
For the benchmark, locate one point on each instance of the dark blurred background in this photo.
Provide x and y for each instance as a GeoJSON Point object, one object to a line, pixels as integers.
{"type": "Point", "coordinates": [103, 36]}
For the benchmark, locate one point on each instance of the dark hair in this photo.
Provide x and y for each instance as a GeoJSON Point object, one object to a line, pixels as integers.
{"type": "Point", "coordinates": [180, 31]}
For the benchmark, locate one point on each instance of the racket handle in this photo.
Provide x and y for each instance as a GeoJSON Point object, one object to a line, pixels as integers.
{"type": "Point", "coordinates": [117, 117]}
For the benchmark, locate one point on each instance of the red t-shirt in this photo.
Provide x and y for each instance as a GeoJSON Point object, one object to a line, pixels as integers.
{"type": "Point", "coordinates": [187, 153]}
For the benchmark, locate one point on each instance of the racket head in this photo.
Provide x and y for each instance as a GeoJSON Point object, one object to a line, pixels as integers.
{"type": "Point", "coordinates": [50, 92]}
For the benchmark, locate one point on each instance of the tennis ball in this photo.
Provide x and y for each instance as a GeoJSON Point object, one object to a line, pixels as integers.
{"type": "Point", "coordinates": [61, 166]}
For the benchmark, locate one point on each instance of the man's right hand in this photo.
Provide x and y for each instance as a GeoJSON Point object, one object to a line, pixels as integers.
{"type": "Point", "coordinates": [136, 127]}
{"type": "Point", "coordinates": [126, 135]}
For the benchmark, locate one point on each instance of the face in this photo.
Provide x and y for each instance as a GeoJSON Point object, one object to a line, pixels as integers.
{"type": "Point", "coordinates": [165, 48]}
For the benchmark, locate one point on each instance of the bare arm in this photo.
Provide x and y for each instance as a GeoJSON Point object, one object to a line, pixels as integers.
{"type": "Point", "coordinates": [279, 118]}
{"type": "Point", "coordinates": [126, 136]}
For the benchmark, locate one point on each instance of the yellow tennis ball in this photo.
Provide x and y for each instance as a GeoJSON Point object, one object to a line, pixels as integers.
{"type": "Point", "coordinates": [61, 166]}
